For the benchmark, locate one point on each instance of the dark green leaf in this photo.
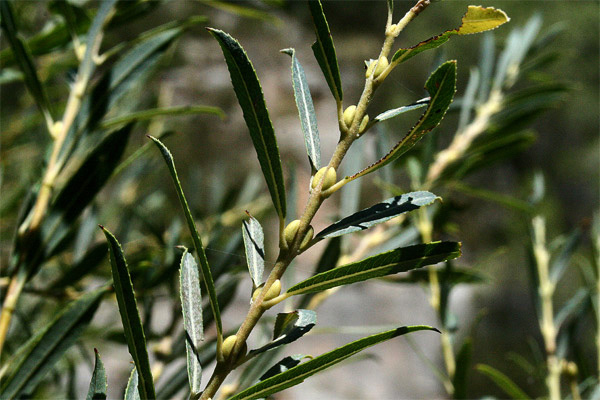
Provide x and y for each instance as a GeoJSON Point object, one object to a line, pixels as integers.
{"type": "Point", "coordinates": [392, 262]}
{"type": "Point", "coordinates": [288, 328]}
{"type": "Point", "coordinates": [560, 262]}
{"type": "Point", "coordinates": [299, 373]}
{"type": "Point", "coordinates": [477, 19]}
{"type": "Point", "coordinates": [283, 365]}
{"type": "Point", "coordinates": [98, 384]}
{"type": "Point", "coordinates": [502, 199]}
{"type": "Point", "coordinates": [25, 61]}
{"type": "Point", "coordinates": [254, 245]}
{"type": "Point", "coordinates": [325, 51]}
{"type": "Point", "coordinates": [463, 363]}
{"type": "Point", "coordinates": [306, 110]}
{"type": "Point", "coordinates": [328, 260]}
{"type": "Point", "coordinates": [572, 306]}
{"type": "Point", "coordinates": [502, 381]}
{"type": "Point", "coordinates": [454, 277]}
{"type": "Point", "coordinates": [132, 390]}
{"type": "Point", "coordinates": [191, 306]}
{"type": "Point", "coordinates": [377, 214]}
{"type": "Point", "coordinates": [207, 278]}
{"type": "Point", "coordinates": [250, 96]}
{"type": "Point", "coordinates": [132, 324]}
{"type": "Point", "coordinates": [157, 112]}
{"type": "Point", "coordinates": [43, 350]}
{"type": "Point", "coordinates": [441, 86]}
{"type": "Point", "coordinates": [401, 110]}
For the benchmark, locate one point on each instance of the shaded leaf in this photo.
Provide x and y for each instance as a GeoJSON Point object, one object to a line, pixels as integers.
{"type": "Point", "coordinates": [325, 51]}
{"type": "Point", "coordinates": [25, 61]}
{"type": "Point", "coordinates": [572, 306]}
{"type": "Point", "coordinates": [283, 365]}
{"type": "Point", "coordinates": [463, 362]}
{"type": "Point", "coordinates": [377, 214]}
{"type": "Point", "coordinates": [254, 245]}
{"type": "Point", "coordinates": [561, 261]}
{"type": "Point", "coordinates": [132, 389]}
{"type": "Point", "coordinates": [391, 262]}
{"type": "Point", "coordinates": [288, 328]}
{"type": "Point", "coordinates": [98, 384]}
{"type": "Point", "coordinates": [401, 110]}
{"type": "Point", "coordinates": [328, 260]}
{"type": "Point", "coordinates": [207, 278]}
{"type": "Point", "coordinates": [250, 96]}
{"type": "Point", "coordinates": [191, 306]}
{"type": "Point", "coordinates": [454, 277]}
{"type": "Point", "coordinates": [158, 112]}
{"type": "Point", "coordinates": [441, 86]}
{"type": "Point", "coordinates": [306, 110]}
{"type": "Point", "coordinates": [502, 381]}
{"type": "Point", "coordinates": [477, 19]}
{"type": "Point", "coordinates": [130, 317]}
{"type": "Point", "coordinates": [297, 374]}
{"type": "Point", "coordinates": [243, 11]}
{"type": "Point", "coordinates": [42, 351]}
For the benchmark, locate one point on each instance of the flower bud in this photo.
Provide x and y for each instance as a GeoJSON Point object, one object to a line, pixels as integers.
{"type": "Point", "coordinates": [289, 233]}
{"type": "Point", "coordinates": [227, 346]}
{"type": "Point", "coordinates": [363, 124]}
{"type": "Point", "coordinates": [273, 291]}
{"type": "Point", "coordinates": [348, 115]}
{"type": "Point", "coordinates": [382, 64]}
{"type": "Point", "coordinates": [328, 181]}
{"type": "Point", "coordinates": [307, 239]}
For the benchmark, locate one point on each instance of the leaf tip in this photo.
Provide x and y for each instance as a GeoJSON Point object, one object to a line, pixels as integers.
{"type": "Point", "coordinates": [289, 51]}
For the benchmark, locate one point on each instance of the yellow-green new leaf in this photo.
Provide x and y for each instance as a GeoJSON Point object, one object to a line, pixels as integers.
{"type": "Point", "coordinates": [477, 19]}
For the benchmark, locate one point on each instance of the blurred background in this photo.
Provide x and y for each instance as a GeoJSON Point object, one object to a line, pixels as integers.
{"type": "Point", "coordinates": [215, 160]}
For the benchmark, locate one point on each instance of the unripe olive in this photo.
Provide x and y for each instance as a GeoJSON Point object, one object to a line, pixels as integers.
{"type": "Point", "coordinates": [273, 291]}
{"type": "Point", "coordinates": [289, 233]}
{"type": "Point", "coordinates": [227, 346]}
{"type": "Point", "coordinates": [330, 177]}
{"type": "Point", "coordinates": [363, 124]}
{"type": "Point", "coordinates": [349, 115]}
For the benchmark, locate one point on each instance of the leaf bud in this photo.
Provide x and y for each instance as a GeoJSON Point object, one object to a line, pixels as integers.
{"type": "Point", "coordinates": [307, 239]}
{"type": "Point", "coordinates": [348, 115]}
{"type": "Point", "coordinates": [379, 66]}
{"type": "Point", "coordinates": [289, 233]}
{"type": "Point", "coordinates": [328, 181]}
{"type": "Point", "coordinates": [363, 124]}
{"type": "Point", "coordinates": [273, 291]}
{"type": "Point", "coordinates": [227, 346]}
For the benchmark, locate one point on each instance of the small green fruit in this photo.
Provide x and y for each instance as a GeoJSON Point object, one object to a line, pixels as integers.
{"type": "Point", "coordinates": [289, 233]}
{"type": "Point", "coordinates": [330, 177]}
{"type": "Point", "coordinates": [228, 344]}
{"type": "Point", "coordinates": [348, 115]}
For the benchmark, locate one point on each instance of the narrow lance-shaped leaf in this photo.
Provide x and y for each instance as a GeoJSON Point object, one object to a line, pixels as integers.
{"type": "Point", "coordinates": [98, 383]}
{"type": "Point", "coordinates": [288, 328]}
{"type": "Point", "coordinates": [283, 365]}
{"type": "Point", "coordinates": [503, 382]}
{"type": "Point", "coordinates": [207, 279]}
{"type": "Point", "coordinates": [299, 373]}
{"type": "Point", "coordinates": [254, 245]}
{"type": "Point", "coordinates": [37, 357]}
{"type": "Point", "coordinates": [377, 214]}
{"type": "Point", "coordinates": [159, 112]}
{"type": "Point", "coordinates": [131, 391]}
{"type": "Point", "coordinates": [477, 19]}
{"type": "Point", "coordinates": [401, 110]}
{"type": "Point", "coordinates": [325, 51]}
{"type": "Point", "coordinates": [24, 60]}
{"type": "Point", "coordinates": [306, 110]}
{"type": "Point", "coordinates": [441, 86]}
{"type": "Point", "coordinates": [250, 96]}
{"type": "Point", "coordinates": [391, 262]}
{"type": "Point", "coordinates": [191, 306]}
{"type": "Point", "coordinates": [132, 324]}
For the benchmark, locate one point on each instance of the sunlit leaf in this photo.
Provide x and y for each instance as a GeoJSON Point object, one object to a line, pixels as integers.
{"type": "Point", "coordinates": [401, 110]}
{"type": "Point", "coordinates": [306, 110]}
{"type": "Point", "coordinates": [378, 213]}
{"type": "Point", "coordinates": [477, 19]}
{"type": "Point", "coordinates": [130, 317]}
{"type": "Point", "coordinates": [250, 96]}
{"type": "Point", "coordinates": [254, 244]}
{"type": "Point", "coordinates": [391, 262]}
{"type": "Point", "coordinates": [191, 306]}
{"type": "Point", "coordinates": [325, 51]}
{"type": "Point", "coordinates": [288, 328]}
{"type": "Point", "coordinates": [296, 375]}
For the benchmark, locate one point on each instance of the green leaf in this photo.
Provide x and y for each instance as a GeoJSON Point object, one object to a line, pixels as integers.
{"type": "Point", "coordinates": [441, 86]}
{"type": "Point", "coordinates": [98, 384]}
{"type": "Point", "coordinates": [158, 112]}
{"type": "Point", "coordinates": [463, 362]}
{"type": "Point", "coordinates": [391, 262]}
{"type": "Point", "coordinates": [250, 96]}
{"type": "Point", "coordinates": [242, 11]}
{"type": "Point", "coordinates": [132, 324]}
{"type": "Point", "coordinates": [254, 245]}
{"type": "Point", "coordinates": [288, 328]}
{"type": "Point", "coordinates": [572, 307]}
{"type": "Point", "coordinates": [560, 262]}
{"type": "Point", "coordinates": [283, 365]}
{"type": "Point", "coordinates": [207, 279]}
{"type": "Point", "coordinates": [502, 381]}
{"type": "Point", "coordinates": [306, 110]}
{"type": "Point", "coordinates": [299, 373]}
{"type": "Point", "coordinates": [325, 51]}
{"type": "Point", "coordinates": [477, 19]}
{"type": "Point", "coordinates": [454, 277]}
{"type": "Point", "coordinates": [25, 61]}
{"type": "Point", "coordinates": [36, 357]}
{"type": "Point", "coordinates": [132, 390]}
{"type": "Point", "coordinates": [401, 110]}
{"type": "Point", "coordinates": [377, 214]}
{"type": "Point", "coordinates": [191, 306]}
